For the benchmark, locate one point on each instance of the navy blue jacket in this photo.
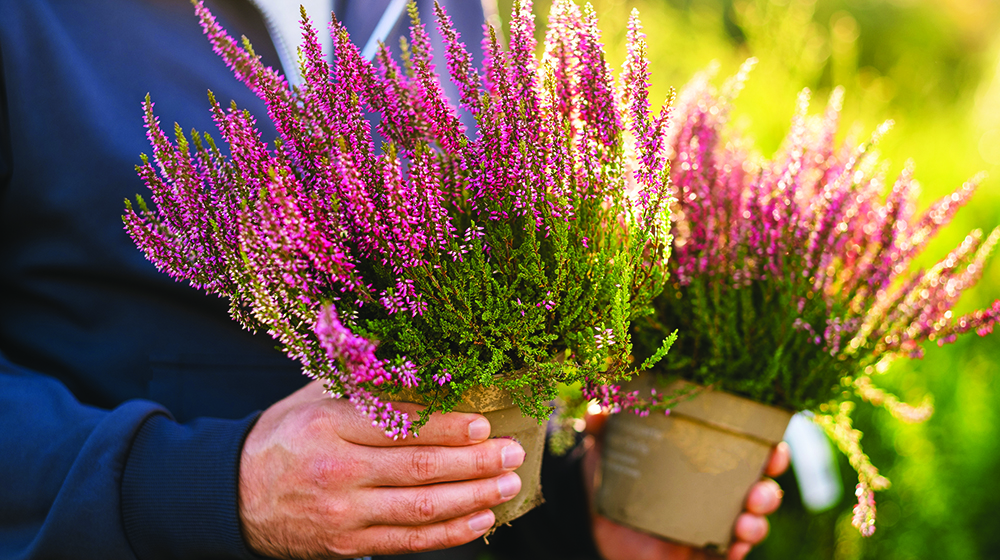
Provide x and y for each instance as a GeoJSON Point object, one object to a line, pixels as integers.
{"type": "Point", "coordinates": [124, 396]}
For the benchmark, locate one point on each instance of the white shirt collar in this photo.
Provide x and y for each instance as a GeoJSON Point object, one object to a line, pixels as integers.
{"type": "Point", "coordinates": [282, 20]}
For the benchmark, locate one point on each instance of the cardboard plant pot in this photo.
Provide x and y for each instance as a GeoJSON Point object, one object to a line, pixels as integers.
{"type": "Point", "coordinates": [506, 420]}
{"type": "Point", "coordinates": [685, 476]}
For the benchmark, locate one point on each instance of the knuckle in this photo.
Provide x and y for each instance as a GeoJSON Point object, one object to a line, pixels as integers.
{"type": "Point", "coordinates": [314, 422]}
{"type": "Point", "coordinates": [481, 461]}
{"type": "Point", "coordinates": [338, 517]}
{"type": "Point", "coordinates": [452, 536]}
{"type": "Point", "coordinates": [424, 464]}
{"type": "Point", "coordinates": [424, 506]}
{"type": "Point", "coordinates": [336, 511]}
{"type": "Point", "coordinates": [327, 472]}
{"type": "Point", "coordinates": [487, 494]}
{"type": "Point", "coordinates": [418, 540]}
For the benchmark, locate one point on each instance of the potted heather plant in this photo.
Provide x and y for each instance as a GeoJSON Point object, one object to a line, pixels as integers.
{"type": "Point", "coordinates": [792, 288]}
{"type": "Point", "coordinates": [460, 270]}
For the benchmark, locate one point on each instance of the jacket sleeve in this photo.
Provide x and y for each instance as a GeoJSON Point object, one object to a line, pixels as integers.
{"type": "Point", "coordinates": [81, 482]}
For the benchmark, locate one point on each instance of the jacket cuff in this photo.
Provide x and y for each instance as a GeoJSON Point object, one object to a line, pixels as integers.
{"type": "Point", "coordinates": [180, 489]}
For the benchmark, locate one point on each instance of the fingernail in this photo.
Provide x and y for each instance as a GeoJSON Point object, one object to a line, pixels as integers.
{"type": "Point", "coordinates": [512, 455]}
{"type": "Point", "coordinates": [479, 429]}
{"type": "Point", "coordinates": [510, 485]}
{"type": "Point", "coordinates": [481, 521]}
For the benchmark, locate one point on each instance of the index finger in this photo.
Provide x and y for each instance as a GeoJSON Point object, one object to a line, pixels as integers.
{"type": "Point", "coordinates": [452, 429]}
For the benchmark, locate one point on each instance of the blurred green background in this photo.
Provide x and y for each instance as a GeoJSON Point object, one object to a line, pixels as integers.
{"type": "Point", "coordinates": [933, 66]}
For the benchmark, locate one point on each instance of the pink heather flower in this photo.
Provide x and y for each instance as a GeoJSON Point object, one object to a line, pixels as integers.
{"type": "Point", "coordinates": [604, 338]}
{"type": "Point", "coordinates": [813, 222]}
{"type": "Point", "coordinates": [442, 378]}
{"type": "Point", "coordinates": [612, 399]}
{"type": "Point", "coordinates": [864, 511]}
{"type": "Point", "coordinates": [792, 275]}
{"type": "Point", "coordinates": [355, 363]}
{"type": "Point", "coordinates": [363, 262]}
{"type": "Point", "coordinates": [406, 373]}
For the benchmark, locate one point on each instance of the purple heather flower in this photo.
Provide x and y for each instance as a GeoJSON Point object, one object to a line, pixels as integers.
{"type": "Point", "coordinates": [864, 511]}
{"type": "Point", "coordinates": [808, 254]}
{"type": "Point", "coordinates": [355, 363]}
{"type": "Point", "coordinates": [442, 378]}
{"type": "Point", "coordinates": [328, 244]}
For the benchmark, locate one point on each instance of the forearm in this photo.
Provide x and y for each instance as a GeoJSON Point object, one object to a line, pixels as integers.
{"type": "Point", "coordinates": [179, 491]}
{"type": "Point", "coordinates": [61, 467]}
{"type": "Point", "coordinates": [82, 482]}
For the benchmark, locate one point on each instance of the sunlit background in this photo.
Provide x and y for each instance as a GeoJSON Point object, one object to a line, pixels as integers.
{"type": "Point", "coordinates": [932, 66]}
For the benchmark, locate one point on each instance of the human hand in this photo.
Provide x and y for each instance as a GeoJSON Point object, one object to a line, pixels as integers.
{"type": "Point", "coordinates": [318, 481]}
{"type": "Point", "coordinates": [617, 542]}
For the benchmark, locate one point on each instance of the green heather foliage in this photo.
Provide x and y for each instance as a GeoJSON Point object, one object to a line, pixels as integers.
{"type": "Point", "coordinates": [930, 65]}
{"type": "Point", "coordinates": [791, 276]}
{"type": "Point", "coordinates": [515, 257]}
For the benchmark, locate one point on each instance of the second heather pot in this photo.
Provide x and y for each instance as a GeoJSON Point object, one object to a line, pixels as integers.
{"type": "Point", "coordinates": [685, 476]}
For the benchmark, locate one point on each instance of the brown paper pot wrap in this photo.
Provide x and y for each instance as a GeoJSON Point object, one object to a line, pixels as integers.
{"type": "Point", "coordinates": [685, 476]}
{"type": "Point", "coordinates": [506, 420]}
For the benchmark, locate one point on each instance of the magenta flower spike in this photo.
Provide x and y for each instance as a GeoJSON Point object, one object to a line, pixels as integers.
{"type": "Point", "coordinates": [514, 255]}
{"type": "Point", "coordinates": [792, 276]}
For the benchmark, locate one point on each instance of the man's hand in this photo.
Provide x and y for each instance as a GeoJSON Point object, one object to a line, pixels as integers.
{"type": "Point", "coordinates": [616, 542]}
{"type": "Point", "coordinates": [318, 481]}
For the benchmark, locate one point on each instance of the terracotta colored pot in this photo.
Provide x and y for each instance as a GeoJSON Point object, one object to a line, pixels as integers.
{"type": "Point", "coordinates": [506, 420]}
{"type": "Point", "coordinates": [685, 476]}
